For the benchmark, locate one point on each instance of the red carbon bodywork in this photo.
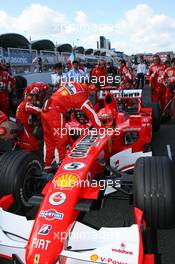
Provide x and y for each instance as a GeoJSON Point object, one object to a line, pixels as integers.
{"type": "Point", "coordinates": [143, 258]}
{"type": "Point", "coordinates": [67, 209]}
{"type": "Point", "coordinates": [60, 218]}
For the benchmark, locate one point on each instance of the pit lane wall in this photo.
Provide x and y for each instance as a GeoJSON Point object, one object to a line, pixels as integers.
{"type": "Point", "coordinates": [37, 77]}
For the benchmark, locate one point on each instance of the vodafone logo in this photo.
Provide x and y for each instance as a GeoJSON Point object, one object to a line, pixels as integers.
{"type": "Point", "coordinates": [123, 245]}
{"type": "Point", "coordinates": [57, 198]}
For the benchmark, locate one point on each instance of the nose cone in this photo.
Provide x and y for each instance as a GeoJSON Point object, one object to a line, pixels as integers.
{"type": "Point", "coordinates": [43, 255]}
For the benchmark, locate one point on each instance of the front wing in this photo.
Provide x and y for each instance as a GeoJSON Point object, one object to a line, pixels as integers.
{"type": "Point", "coordinates": [85, 244]}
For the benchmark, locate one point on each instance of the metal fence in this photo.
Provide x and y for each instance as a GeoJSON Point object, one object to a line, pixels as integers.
{"type": "Point", "coordinates": [21, 60]}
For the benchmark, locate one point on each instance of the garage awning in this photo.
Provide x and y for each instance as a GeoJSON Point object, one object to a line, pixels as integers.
{"type": "Point", "coordinates": [43, 44]}
{"type": "Point", "coordinates": [13, 40]}
{"type": "Point", "coordinates": [97, 53]}
{"type": "Point", "coordinates": [80, 50]}
{"type": "Point", "coordinates": [89, 51]}
{"type": "Point", "coordinates": [64, 48]}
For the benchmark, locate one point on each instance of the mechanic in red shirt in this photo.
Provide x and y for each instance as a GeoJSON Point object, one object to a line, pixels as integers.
{"type": "Point", "coordinates": [155, 72]}
{"type": "Point", "coordinates": [7, 83]}
{"type": "Point", "coordinates": [100, 73]}
{"type": "Point", "coordinates": [168, 81]}
{"type": "Point", "coordinates": [125, 72]}
{"type": "Point", "coordinates": [28, 112]}
{"type": "Point", "coordinates": [68, 96]}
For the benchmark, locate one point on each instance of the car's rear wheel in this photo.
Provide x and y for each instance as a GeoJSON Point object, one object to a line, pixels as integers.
{"type": "Point", "coordinates": [20, 85]}
{"type": "Point", "coordinates": [156, 116]}
{"type": "Point", "coordinates": [146, 97]}
{"type": "Point", "coordinates": [153, 191]}
{"type": "Point", "coordinates": [17, 177]}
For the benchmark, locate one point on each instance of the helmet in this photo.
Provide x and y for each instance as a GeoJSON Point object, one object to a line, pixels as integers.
{"type": "Point", "coordinates": [89, 88]}
{"type": "Point", "coordinates": [92, 88]}
{"type": "Point", "coordinates": [107, 117]}
{"type": "Point", "coordinates": [36, 88]}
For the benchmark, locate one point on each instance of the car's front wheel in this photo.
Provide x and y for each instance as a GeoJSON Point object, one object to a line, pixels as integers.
{"type": "Point", "coordinates": [17, 177]}
{"type": "Point", "coordinates": [154, 191]}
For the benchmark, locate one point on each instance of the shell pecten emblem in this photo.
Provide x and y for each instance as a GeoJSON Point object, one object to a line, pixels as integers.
{"type": "Point", "coordinates": [66, 181]}
{"type": "Point", "coordinates": [94, 257]}
{"type": "Point", "coordinates": [64, 92]}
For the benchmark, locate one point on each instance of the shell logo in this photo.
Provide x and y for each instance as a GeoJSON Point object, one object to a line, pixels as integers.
{"type": "Point", "coordinates": [64, 92]}
{"type": "Point", "coordinates": [66, 181]}
{"type": "Point", "coordinates": [94, 257]}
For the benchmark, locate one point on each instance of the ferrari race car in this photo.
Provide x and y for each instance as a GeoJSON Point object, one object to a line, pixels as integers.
{"type": "Point", "coordinates": [97, 166]}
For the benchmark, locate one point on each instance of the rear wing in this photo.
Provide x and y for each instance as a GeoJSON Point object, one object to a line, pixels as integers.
{"type": "Point", "coordinates": [122, 94]}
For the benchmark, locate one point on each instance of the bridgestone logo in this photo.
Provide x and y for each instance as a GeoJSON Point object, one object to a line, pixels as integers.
{"type": "Point", "coordinates": [83, 147]}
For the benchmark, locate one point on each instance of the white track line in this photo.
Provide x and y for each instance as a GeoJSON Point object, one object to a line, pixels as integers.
{"type": "Point", "coordinates": [169, 152]}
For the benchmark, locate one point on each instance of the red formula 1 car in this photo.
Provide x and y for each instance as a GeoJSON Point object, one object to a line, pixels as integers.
{"type": "Point", "coordinates": [97, 165]}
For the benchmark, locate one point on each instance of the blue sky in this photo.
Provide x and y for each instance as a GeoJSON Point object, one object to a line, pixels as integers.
{"type": "Point", "coordinates": [115, 8]}
{"type": "Point", "coordinates": [133, 34]}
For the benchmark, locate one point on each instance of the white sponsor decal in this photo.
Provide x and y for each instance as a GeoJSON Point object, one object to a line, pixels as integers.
{"type": "Point", "coordinates": [45, 229]}
{"type": "Point", "coordinates": [40, 243]}
{"type": "Point", "coordinates": [82, 148]}
{"type": "Point", "coordinates": [74, 166]}
{"type": "Point", "coordinates": [57, 198]}
{"type": "Point", "coordinates": [51, 214]}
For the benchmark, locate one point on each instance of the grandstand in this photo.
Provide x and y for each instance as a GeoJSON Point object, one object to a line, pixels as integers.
{"type": "Point", "coordinates": [20, 53]}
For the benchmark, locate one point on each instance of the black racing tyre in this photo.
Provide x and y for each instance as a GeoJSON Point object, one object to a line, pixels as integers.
{"type": "Point", "coordinates": [146, 96]}
{"type": "Point", "coordinates": [156, 116]}
{"type": "Point", "coordinates": [20, 82]}
{"type": "Point", "coordinates": [153, 191]}
{"type": "Point", "coordinates": [6, 145]}
{"type": "Point", "coordinates": [17, 170]}
{"type": "Point", "coordinates": [149, 237]}
{"type": "Point", "coordinates": [20, 85]}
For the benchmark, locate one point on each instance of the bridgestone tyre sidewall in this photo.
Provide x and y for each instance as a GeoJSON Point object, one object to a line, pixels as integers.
{"type": "Point", "coordinates": [146, 96]}
{"type": "Point", "coordinates": [153, 191]}
{"type": "Point", "coordinates": [20, 84]}
{"type": "Point", "coordinates": [13, 172]}
{"type": "Point", "coordinates": [156, 116]}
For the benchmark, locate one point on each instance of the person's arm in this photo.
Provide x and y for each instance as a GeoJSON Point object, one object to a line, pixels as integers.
{"type": "Point", "coordinates": [127, 74]}
{"type": "Point", "coordinates": [168, 80]}
{"type": "Point", "coordinates": [32, 109]}
{"type": "Point", "coordinates": [91, 114]}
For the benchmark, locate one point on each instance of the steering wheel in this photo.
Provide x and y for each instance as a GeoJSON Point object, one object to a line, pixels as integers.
{"type": "Point", "coordinates": [81, 117]}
